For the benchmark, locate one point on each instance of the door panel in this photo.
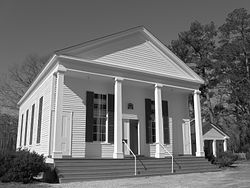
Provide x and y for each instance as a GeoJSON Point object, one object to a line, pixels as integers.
{"type": "Point", "coordinates": [134, 136]}
{"type": "Point", "coordinates": [66, 133]}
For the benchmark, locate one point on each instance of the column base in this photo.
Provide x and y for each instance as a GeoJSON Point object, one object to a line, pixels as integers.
{"type": "Point", "coordinates": [159, 155]}
{"type": "Point", "coordinates": [56, 154]}
{"type": "Point", "coordinates": [118, 155]}
{"type": "Point", "coordinates": [200, 154]}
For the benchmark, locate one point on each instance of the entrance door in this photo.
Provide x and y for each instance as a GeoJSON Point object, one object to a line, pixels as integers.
{"type": "Point", "coordinates": [134, 136]}
{"type": "Point", "coordinates": [66, 133]}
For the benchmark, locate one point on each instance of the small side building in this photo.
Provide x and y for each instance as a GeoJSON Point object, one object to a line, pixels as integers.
{"type": "Point", "coordinates": [215, 140]}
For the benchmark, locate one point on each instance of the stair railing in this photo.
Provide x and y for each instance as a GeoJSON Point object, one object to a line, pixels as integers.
{"type": "Point", "coordinates": [165, 149]}
{"type": "Point", "coordinates": [132, 154]}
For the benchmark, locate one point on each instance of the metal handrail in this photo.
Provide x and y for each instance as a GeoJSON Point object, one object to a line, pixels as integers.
{"type": "Point", "coordinates": [131, 152]}
{"type": "Point", "coordinates": [169, 154]}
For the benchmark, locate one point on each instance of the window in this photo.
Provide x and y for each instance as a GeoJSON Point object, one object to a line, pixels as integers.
{"type": "Point", "coordinates": [32, 123]}
{"type": "Point", "coordinates": [38, 138]}
{"type": "Point", "coordinates": [150, 121]}
{"type": "Point", "coordinates": [99, 113]}
{"type": "Point", "coordinates": [21, 132]}
{"type": "Point", "coordinates": [26, 127]}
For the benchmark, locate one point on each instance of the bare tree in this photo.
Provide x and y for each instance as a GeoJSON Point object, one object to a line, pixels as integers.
{"type": "Point", "coordinates": [15, 83]}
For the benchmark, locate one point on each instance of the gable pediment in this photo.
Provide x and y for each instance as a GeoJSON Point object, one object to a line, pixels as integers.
{"type": "Point", "coordinates": [134, 50]}
{"type": "Point", "coordinates": [213, 134]}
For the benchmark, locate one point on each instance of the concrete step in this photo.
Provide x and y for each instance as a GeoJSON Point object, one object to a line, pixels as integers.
{"type": "Point", "coordinates": [116, 176]}
{"type": "Point", "coordinates": [94, 169]}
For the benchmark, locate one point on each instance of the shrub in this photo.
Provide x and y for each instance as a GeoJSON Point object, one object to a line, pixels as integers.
{"type": "Point", "coordinates": [211, 158]}
{"type": "Point", "coordinates": [50, 175]}
{"type": "Point", "coordinates": [5, 162]}
{"type": "Point", "coordinates": [225, 159]}
{"type": "Point", "coordinates": [22, 166]}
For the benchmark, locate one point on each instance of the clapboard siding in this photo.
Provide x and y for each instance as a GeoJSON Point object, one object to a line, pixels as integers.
{"type": "Point", "coordinates": [72, 102]}
{"type": "Point", "coordinates": [75, 101]}
{"type": "Point", "coordinates": [213, 134]}
{"type": "Point", "coordinates": [144, 57]}
{"type": "Point", "coordinates": [45, 91]}
{"type": "Point", "coordinates": [99, 150]}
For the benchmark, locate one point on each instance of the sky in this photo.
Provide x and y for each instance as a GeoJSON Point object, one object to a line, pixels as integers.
{"type": "Point", "coordinates": [43, 26]}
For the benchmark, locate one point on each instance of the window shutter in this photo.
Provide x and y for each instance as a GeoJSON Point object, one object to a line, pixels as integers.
{"type": "Point", "coordinates": [148, 120]}
{"type": "Point", "coordinates": [111, 100]}
{"type": "Point", "coordinates": [89, 116]}
{"type": "Point", "coordinates": [165, 121]}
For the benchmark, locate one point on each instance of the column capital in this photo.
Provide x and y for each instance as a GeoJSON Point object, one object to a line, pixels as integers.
{"type": "Point", "coordinates": [61, 69]}
{"type": "Point", "coordinates": [157, 85]}
{"type": "Point", "coordinates": [119, 79]}
{"type": "Point", "coordinates": [186, 120]}
{"type": "Point", "coordinates": [197, 92]}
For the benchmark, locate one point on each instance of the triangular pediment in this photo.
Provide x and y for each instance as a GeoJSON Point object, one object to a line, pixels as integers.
{"type": "Point", "coordinates": [213, 134]}
{"type": "Point", "coordinates": [135, 49]}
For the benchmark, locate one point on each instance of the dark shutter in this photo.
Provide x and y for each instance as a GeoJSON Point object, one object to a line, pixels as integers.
{"type": "Point", "coordinates": [89, 116]}
{"type": "Point", "coordinates": [111, 101]}
{"type": "Point", "coordinates": [165, 121]}
{"type": "Point", "coordinates": [148, 120]}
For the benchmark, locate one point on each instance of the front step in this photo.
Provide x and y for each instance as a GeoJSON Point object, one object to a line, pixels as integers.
{"type": "Point", "coordinates": [96, 169]}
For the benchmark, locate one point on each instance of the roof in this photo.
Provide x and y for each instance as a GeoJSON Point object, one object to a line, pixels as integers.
{"type": "Point", "coordinates": [133, 49]}
{"type": "Point", "coordinates": [207, 126]}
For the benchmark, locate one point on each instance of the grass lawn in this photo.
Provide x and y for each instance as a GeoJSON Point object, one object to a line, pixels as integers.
{"type": "Point", "coordinates": [236, 176]}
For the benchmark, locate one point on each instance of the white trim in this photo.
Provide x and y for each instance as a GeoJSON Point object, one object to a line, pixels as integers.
{"type": "Point", "coordinates": [213, 139]}
{"type": "Point", "coordinates": [220, 131]}
{"type": "Point", "coordinates": [129, 116]}
{"type": "Point", "coordinates": [126, 119]}
{"type": "Point", "coordinates": [139, 137]}
{"type": "Point", "coordinates": [70, 135]}
{"type": "Point", "coordinates": [131, 79]}
{"type": "Point", "coordinates": [52, 100]}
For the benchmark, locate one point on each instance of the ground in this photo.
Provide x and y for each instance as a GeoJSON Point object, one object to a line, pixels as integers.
{"type": "Point", "coordinates": [236, 176]}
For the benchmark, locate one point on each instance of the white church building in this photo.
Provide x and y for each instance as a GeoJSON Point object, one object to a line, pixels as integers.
{"type": "Point", "coordinates": [91, 97]}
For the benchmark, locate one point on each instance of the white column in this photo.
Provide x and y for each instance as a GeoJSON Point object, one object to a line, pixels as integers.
{"type": "Point", "coordinates": [214, 148]}
{"type": "Point", "coordinates": [57, 148]}
{"type": "Point", "coordinates": [159, 153]}
{"type": "Point", "coordinates": [198, 125]}
{"type": "Point", "coordinates": [225, 145]}
{"type": "Point", "coordinates": [118, 151]}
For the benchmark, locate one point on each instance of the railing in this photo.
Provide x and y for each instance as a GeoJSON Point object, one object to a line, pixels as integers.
{"type": "Point", "coordinates": [169, 154]}
{"type": "Point", "coordinates": [132, 154]}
